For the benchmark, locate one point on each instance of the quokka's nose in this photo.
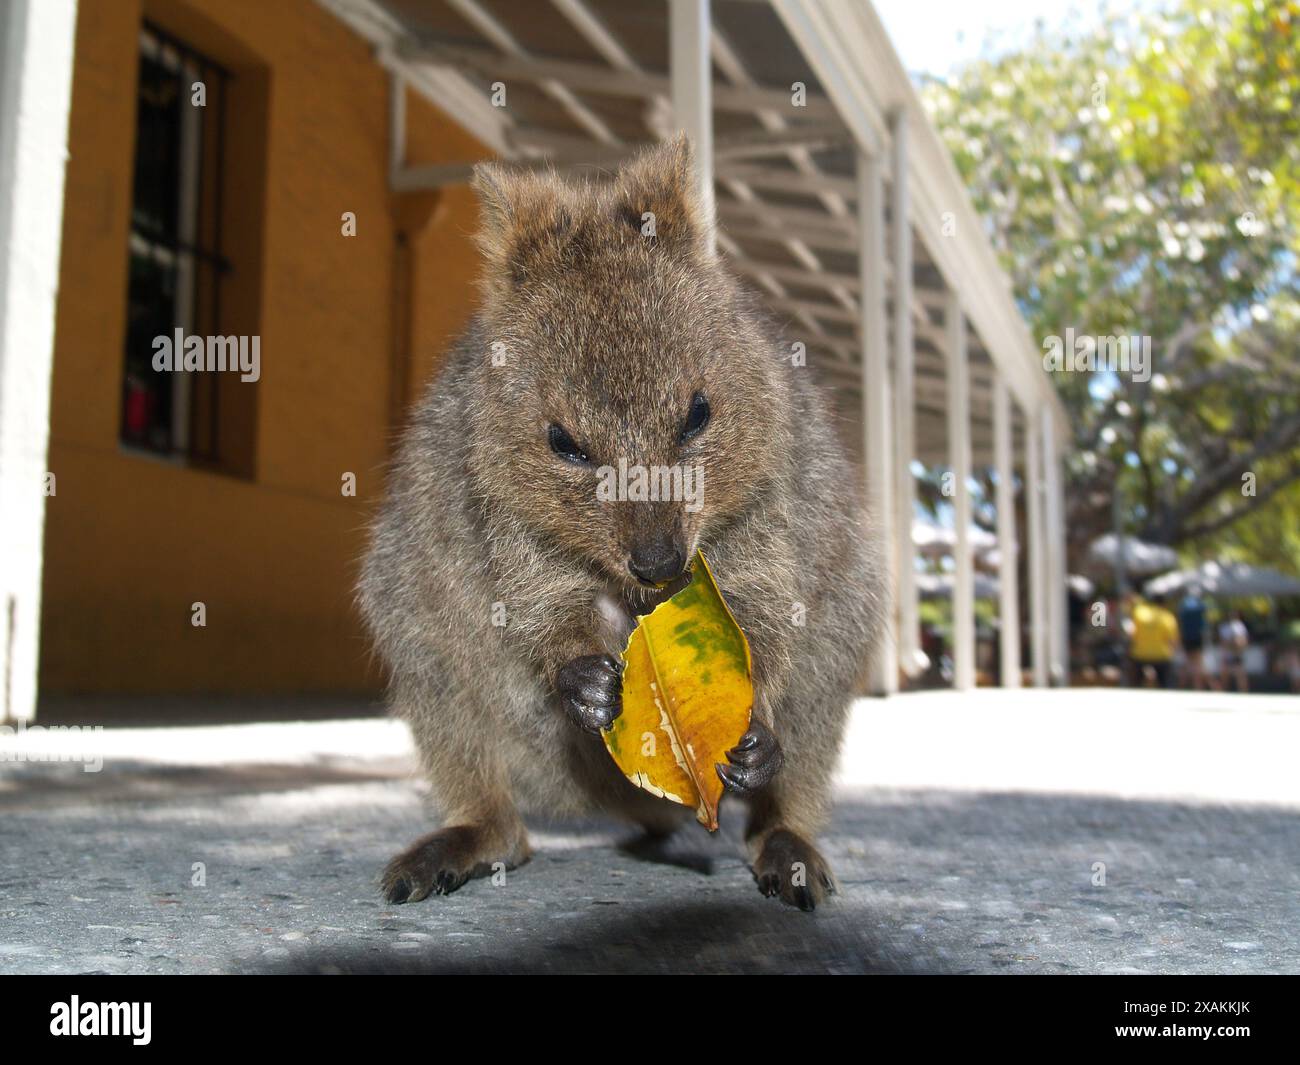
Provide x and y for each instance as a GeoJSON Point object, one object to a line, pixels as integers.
{"type": "Point", "coordinates": [657, 563]}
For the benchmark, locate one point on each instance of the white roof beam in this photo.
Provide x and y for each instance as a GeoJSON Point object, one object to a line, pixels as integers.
{"type": "Point", "coordinates": [733, 69]}
{"type": "Point", "coordinates": [856, 64]}
{"type": "Point", "coordinates": [495, 31]}
{"type": "Point", "coordinates": [594, 31]}
{"type": "Point", "coordinates": [444, 88]}
{"type": "Point", "coordinates": [592, 77]}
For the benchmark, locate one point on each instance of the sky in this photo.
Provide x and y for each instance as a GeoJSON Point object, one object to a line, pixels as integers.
{"type": "Point", "coordinates": [935, 36]}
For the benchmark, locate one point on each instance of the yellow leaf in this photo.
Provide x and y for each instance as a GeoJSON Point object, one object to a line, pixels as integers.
{"type": "Point", "coordinates": [687, 697]}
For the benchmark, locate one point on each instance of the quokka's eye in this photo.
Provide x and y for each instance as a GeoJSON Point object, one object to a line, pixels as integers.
{"type": "Point", "coordinates": [697, 418]}
{"type": "Point", "coordinates": [563, 445]}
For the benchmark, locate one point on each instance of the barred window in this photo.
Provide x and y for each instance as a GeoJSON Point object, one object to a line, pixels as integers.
{"type": "Point", "coordinates": [176, 266]}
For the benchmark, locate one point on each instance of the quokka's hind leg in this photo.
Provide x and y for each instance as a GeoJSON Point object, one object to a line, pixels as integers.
{"type": "Point", "coordinates": [482, 831]}
{"type": "Point", "coordinates": [658, 819]}
{"type": "Point", "coordinates": [444, 860]}
{"type": "Point", "coordinates": [606, 789]}
{"type": "Point", "coordinates": [784, 819]}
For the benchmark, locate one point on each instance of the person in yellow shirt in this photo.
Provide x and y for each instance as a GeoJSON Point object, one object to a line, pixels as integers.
{"type": "Point", "coordinates": [1153, 640]}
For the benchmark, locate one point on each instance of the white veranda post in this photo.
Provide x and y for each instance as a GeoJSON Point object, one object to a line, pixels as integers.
{"type": "Point", "coordinates": [959, 462]}
{"type": "Point", "coordinates": [1038, 610]}
{"type": "Point", "coordinates": [1008, 548]}
{"type": "Point", "coordinates": [690, 29]}
{"type": "Point", "coordinates": [878, 436]}
{"type": "Point", "coordinates": [36, 44]}
{"type": "Point", "coordinates": [1054, 518]}
{"type": "Point", "coordinates": [904, 398]}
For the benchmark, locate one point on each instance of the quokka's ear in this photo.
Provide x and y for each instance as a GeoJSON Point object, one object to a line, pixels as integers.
{"type": "Point", "coordinates": [525, 216]}
{"type": "Point", "coordinates": [661, 182]}
{"type": "Point", "coordinates": [492, 184]}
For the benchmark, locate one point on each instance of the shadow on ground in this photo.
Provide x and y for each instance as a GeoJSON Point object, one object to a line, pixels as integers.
{"type": "Point", "coordinates": [275, 868]}
{"type": "Point", "coordinates": [664, 938]}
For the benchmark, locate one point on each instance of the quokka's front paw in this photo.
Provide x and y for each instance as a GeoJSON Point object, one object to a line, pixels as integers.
{"type": "Point", "coordinates": [753, 762]}
{"type": "Point", "coordinates": [591, 691]}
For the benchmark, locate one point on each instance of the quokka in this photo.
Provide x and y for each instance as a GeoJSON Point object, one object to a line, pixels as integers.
{"type": "Point", "coordinates": [499, 589]}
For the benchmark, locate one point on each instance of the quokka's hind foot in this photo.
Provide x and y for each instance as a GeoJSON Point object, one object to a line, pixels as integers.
{"type": "Point", "coordinates": [443, 861]}
{"type": "Point", "coordinates": [661, 825]}
{"type": "Point", "coordinates": [790, 867]}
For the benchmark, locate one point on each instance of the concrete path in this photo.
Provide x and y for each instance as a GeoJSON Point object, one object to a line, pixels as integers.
{"type": "Point", "coordinates": [971, 835]}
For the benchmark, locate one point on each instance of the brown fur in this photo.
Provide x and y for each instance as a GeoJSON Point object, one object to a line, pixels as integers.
{"type": "Point", "coordinates": [608, 333]}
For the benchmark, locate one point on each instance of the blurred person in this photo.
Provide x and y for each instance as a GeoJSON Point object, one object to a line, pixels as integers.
{"type": "Point", "coordinates": [1191, 627]}
{"type": "Point", "coordinates": [932, 652]}
{"type": "Point", "coordinates": [1234, 638]}
{"type": "Point", "coordinates": [1289, 667]}
{"type": "Point", "coordinates": [1153, 639]}
{"type": "Point", "coordinates": [1210, 663]}
{"type": "Point", "coordinates": [1288, 660]}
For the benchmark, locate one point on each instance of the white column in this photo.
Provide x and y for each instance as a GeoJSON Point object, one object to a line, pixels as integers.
{"type": "Point", "coordinates": [1054, 523]}
{"type": "Point", "coordinates": [1038, 611]}
{"type": "Point", "coordinates": [690, 27]}
{"type": "Point", "coordinates": [904, 399]}
{"type": "Point", "coordinates": [878, 438]}
{"type": "Point", "coordinates": [1063, 586]}
{"type": "Point", "coordinates": [963, 589]}
{"type": "Point", "coordinates": [36, 40]}
{"type": "Point", "coordinates": [1008, 548]}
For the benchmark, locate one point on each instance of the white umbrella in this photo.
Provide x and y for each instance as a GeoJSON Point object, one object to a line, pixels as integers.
{"type": "Point", "coordinates": [1226, 578]}
{"type": "Point", "coordinates": [1140, 557]}
{"type": "Point", "coordinates": [939, 540]}
{"type": "Point", "coordinates": [1080, 585]}
{"type": "Point", "coordinates": [940, 585]}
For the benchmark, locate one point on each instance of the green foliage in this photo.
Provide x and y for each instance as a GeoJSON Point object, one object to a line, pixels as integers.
{"type": "Point", "coordinates": [1143, 179]}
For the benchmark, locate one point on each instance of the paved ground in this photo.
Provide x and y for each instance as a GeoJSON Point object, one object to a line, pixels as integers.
{"type": "Point", "coordinates": [967, 837]}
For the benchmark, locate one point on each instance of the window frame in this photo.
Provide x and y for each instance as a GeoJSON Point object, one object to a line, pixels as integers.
{"type": "Point", "coordinates": [185, 254]}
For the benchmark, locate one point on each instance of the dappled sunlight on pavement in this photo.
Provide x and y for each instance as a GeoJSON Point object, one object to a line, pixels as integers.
{"type": "Point", "coordinates": [1053, 831]}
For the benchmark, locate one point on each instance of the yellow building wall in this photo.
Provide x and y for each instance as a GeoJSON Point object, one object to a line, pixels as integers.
{"type": "Point", "coordinates": [132, 542]}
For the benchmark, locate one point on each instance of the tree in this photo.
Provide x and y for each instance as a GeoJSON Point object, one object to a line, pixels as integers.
{"type": "Point", "coordinates": [1143, 180]}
